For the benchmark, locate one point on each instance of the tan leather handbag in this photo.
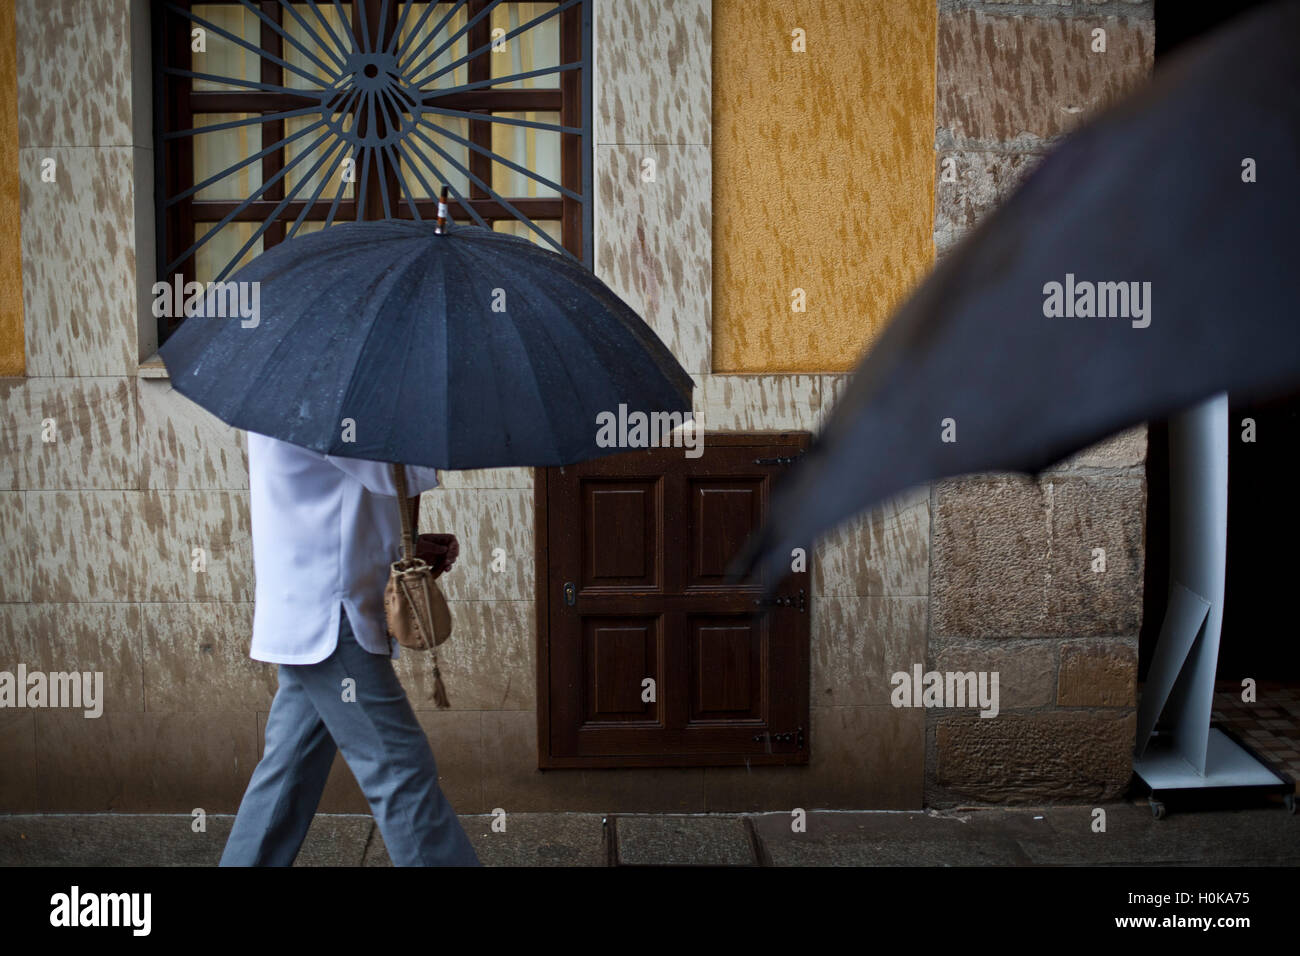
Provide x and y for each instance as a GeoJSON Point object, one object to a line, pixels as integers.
{"type": "Point", "coordinates": [417, 612]}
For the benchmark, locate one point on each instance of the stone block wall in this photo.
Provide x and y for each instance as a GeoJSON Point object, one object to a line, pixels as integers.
{"type": "Point", "coordinates": [1014, 580]}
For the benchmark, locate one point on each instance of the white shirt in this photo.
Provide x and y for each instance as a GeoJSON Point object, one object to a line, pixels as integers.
{"type": "Point", "coordinates": [325, 530]}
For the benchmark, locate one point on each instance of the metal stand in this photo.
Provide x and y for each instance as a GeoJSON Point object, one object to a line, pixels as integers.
{"type": "Point", "coordinates": [1192, 755]}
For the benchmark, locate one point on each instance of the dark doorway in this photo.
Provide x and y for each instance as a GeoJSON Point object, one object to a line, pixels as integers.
{"type": "Point", "coordinates": [1259, 630]}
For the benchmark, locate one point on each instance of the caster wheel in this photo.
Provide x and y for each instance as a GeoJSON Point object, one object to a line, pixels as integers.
{"type": "Point", "coordinates": [1157, 808]}
{"type": "Point", "coordinates": [1288, 801]}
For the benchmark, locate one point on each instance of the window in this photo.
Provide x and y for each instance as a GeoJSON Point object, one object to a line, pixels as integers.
{"type": "Point", "coordinates": [276, 118]}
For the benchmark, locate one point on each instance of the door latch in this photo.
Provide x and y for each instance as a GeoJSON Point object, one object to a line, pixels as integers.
{"type": "Point", "coordinates": [799, 602]}
{"type": "Point", "coordinates": [570, 594]}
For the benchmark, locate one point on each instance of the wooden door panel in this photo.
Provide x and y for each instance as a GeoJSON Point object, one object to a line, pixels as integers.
{"type": "Point", "coordinates": [633, 554]}
{"type": "Point", "coordinates": [723, 514]}
{"type": "Point", "coordinates": [727, 661]}
{"type": "Point", "coordinates": [622, 533]}
{"type": "Point", "coordinates": [618, 655]}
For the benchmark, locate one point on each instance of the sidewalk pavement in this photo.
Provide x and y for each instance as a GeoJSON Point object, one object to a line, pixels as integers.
{"type": "Point", "coordinates": [1056, 835]}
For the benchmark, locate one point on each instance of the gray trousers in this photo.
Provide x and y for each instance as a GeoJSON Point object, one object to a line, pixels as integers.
{"type": "Point", "coordinates": [383, 745]}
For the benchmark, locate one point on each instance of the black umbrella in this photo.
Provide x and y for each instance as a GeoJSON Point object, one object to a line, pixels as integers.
{"type": "Point", "coordinates": [1013, 353]}
{"type": "Point", "coordinates": [392, 341]}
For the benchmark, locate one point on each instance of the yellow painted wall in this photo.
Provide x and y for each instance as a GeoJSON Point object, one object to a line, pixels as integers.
{"type": "Point", "coordinates": [823, 176]}
{"type": "Point", "coordinates": [11, 280]}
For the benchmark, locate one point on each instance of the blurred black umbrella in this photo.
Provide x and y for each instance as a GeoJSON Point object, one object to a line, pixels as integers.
{"type": "Point", "coordinates": [1147, 263]}
{"type": "Point", "coordinates": [463, 349]}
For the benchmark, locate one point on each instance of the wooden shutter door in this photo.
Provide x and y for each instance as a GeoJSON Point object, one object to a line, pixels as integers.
{"type": "Point", "coordinates": [632, 555]}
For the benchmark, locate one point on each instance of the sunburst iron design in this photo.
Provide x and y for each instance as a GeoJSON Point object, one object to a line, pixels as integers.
{"type": "Point", "coordinates": [367, 103]}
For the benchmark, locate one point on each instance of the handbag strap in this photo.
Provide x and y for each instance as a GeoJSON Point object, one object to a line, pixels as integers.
{"type": "Point", "coordinates": [404, 506]}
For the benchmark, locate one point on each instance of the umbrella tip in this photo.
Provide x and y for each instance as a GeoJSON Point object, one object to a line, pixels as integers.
{"type": "Point", "coordinates": [441, 227]}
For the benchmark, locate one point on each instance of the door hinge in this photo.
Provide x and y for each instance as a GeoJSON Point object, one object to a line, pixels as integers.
{"type": "Point", "coordinates": [793, 736]}
{"type": "Point", "coordinates": [799, 602]}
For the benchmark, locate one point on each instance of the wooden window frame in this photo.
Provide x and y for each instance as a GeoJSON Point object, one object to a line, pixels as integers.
{"type": "Point", "coordinates": [176, 102]}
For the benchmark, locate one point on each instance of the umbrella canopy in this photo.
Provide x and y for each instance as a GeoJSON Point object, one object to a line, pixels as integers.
{"type": "Point", "coordinates": [1147, 263]}
{"type": "Point", "coordinates": [391, 341]}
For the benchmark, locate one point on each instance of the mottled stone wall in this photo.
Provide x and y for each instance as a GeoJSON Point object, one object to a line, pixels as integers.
{"type": "Point", "coordinates": [92, 544]}
{"type": "Point", "coordinates": [1012, 582]}
{"type": "Point", "coordinates": [11, 279]}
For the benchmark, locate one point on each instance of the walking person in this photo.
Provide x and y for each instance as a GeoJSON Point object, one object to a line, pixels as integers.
{"type": "Point", "coordinates": [325, 530]}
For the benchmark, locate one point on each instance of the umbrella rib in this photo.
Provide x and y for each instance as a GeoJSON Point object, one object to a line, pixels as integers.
{"type": "Point", "coordinates": [375, 300]}
{"type": "Point", "coordinates": [574, 386]}
{"type": "Point", "coordinates": [503, 400]}
{"type": "Point", "coordinates": [642, 335]}
{"type": "Point", "coordinates": [395, 420]}
{"type": "Point", "coordinates": [305, 314]}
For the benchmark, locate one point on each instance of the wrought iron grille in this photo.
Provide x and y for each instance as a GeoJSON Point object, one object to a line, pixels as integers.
{"type": "Point", "coordinates": [363, 110]}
